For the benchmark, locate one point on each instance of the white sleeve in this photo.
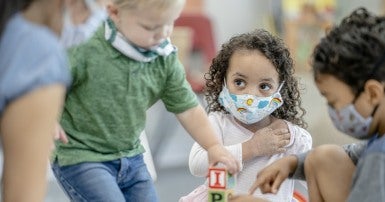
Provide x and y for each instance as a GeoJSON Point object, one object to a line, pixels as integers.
{"type": "Point", "coordinates": [198, 159]}
{"type": "Point", "coordinates": [300, 141]}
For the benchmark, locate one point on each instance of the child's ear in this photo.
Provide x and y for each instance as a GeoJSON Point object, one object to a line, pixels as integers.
{"type": "Point", "coordinates": [113, 12]}
{"type": "Point", "coordinates": [375, 89]}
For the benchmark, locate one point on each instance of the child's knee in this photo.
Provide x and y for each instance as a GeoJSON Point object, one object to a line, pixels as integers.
{"type": "Point", "coordinates": [325, 155]}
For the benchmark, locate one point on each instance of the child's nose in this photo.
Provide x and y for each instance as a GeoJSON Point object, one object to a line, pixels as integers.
{"type": "Point", "coordinates": [252, 91]}
{"type": "Point", "coordinates": [163, 33]}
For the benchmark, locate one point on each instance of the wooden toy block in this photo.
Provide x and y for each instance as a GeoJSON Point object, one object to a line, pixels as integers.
{"type": "Point", "coordinates": [219, 178]}
{"type": "Point", "coordinates": [219, 195]}
{"type": "Point", "coordinates": [221, 184]}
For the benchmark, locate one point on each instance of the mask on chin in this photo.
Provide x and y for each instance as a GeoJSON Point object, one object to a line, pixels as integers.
{"type": "Point", "coordinates": [123, 45]}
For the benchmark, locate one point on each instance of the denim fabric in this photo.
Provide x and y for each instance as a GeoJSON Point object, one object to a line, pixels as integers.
{"type": "Point", "coordinates": [125, 179]}
{"type": "Point", "coordinates": [376, 145]}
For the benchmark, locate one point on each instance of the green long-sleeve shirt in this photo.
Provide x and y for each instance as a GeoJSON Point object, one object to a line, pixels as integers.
{"type": "Point", "coordinates": [105, 108]}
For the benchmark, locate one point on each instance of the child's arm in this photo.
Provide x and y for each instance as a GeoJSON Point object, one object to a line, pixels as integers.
{"type": "Point", "coordinates": [242, 151]}
{"type": "Point", "coordinates": [26, 130]}
{"type": "Point", "coordinates": [196, 123]}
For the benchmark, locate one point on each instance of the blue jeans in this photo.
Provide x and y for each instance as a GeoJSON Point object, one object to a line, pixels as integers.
{"type": "Point", "coordinates": [125, 179]}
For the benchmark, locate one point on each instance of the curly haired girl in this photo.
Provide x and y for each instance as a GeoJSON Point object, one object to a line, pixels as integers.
{"type": "Point", "coordinates": [254, 104]}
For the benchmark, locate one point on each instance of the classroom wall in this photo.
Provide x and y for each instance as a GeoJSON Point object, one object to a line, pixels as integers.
{"type": "Point", "coordinates": [231, 17]}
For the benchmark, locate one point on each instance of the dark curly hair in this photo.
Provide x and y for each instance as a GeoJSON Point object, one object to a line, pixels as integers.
{"type": "Point", "coordinates": [353, 51]}
{"type": "Point", "coordinates": [272, 48]}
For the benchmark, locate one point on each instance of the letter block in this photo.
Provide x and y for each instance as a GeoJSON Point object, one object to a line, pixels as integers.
{"type": "Point", "coordinates": [221, 184]}
{"type": "Point", "coordinates": [219, 195]}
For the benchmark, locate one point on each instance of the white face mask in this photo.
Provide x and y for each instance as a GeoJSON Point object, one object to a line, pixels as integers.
{"type": "Point", "coordinates": [75, 34]}
{"type": "Point", "coordinates": [247, 108]}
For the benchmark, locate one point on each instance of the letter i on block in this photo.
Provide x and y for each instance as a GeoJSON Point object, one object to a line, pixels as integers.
{"type": "Point", "coordinates": [221, 184]}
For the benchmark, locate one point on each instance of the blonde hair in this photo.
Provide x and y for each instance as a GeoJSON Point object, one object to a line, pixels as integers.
{"type": "Point", "coordinates": [140, 4]}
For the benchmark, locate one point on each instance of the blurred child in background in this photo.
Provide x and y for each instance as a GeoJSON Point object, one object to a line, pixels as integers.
{"type": "Point", "coordinates": [33, 79]}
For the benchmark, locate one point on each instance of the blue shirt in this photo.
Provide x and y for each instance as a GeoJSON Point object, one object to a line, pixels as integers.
{"type": "Point", "coordinates": [30, 57]}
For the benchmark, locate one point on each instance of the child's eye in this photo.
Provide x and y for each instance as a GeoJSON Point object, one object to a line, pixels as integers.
{"type": "Point", "coordinates": [265, 87]}
{"type": "Point", "coordinates": [239, 83]}
{"type": "Point", "coordinates": [151, 27]}
{"type": "Point", "coordinates": [148, 28]}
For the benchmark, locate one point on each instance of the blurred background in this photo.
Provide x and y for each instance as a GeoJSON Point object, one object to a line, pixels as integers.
{"type": "Point", "coordinates": [203, 26]}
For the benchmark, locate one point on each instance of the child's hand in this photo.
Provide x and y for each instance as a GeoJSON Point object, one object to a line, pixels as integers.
{"type": "Point", "coordinates": [270, 140]}
{"type": "Point", "coordinates": [60, 134]}
{"type": "Point", "coordinates": [219, 154]}
{"type": "Point", "coordinates": [271, 177]}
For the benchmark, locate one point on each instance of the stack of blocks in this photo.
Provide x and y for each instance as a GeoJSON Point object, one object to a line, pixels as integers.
{"type": "Point", "coordinates": [221, 184]}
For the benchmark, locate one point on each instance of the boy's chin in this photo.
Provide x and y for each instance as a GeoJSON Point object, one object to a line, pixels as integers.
{"type": "Point", "coordinates": [146, 47]}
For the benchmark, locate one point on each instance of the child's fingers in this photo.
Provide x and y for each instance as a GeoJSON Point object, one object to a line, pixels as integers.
{"type": "Point", "coordinates": [280, 132]}
{"type": "Point", "coordinates": [267, 183]}
{"type": "Point", "coordinates": [283, 143]}
{"type": "Point", "coordinates": [231, 164]}
{"type": "Point", "coordinates": [63, 136]}
{"type": "Point", "coordinates": [277, 183]}
{"type": "Point", "coordinates": [60, 134]}
{"type": "Point", "coordinates": [284, 139]}
{"type": "Point", "coordinates": [254, 187]}
{"type": "Point", "coordinates": [261, 182]}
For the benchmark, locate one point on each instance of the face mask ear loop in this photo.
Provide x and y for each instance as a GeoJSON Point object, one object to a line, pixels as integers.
{"type": "Point", "coordinates": [280, 86]}
{"type": "Point", "coordinates": [224, 83]}
{"type": "Point", "coordinates": [113, 30]}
